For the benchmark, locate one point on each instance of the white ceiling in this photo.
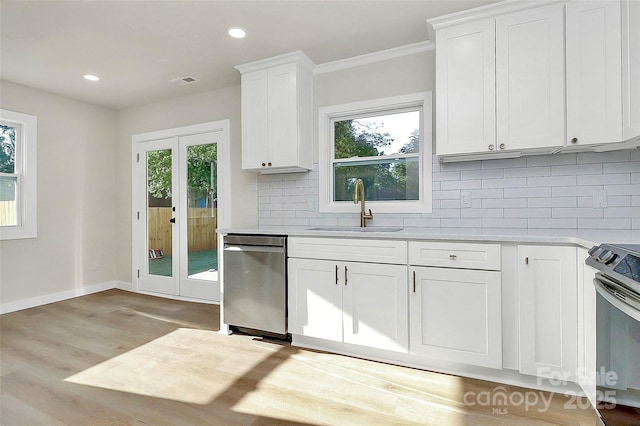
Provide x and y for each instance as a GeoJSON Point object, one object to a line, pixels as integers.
{"type": "Point", "coordinates": [136, 47]}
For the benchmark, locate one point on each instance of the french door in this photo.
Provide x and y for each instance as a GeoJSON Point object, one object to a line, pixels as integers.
{"type": "Point", "coordinates": [175, 202]}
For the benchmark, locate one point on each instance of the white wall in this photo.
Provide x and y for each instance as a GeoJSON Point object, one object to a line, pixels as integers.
{"type": "Point", "coordinates": [75, 248]}
{"type": "Point", "coordinates": [201, 108]}
{"type": "Point", "coordinates": [394, 77]}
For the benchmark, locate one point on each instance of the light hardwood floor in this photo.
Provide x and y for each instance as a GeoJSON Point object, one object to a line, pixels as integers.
{"type": "Point", "coordinates": [120, 358]}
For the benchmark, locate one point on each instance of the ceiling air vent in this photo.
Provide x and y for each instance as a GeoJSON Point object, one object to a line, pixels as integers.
{"type": "Point", "coordinates": [181, 81]}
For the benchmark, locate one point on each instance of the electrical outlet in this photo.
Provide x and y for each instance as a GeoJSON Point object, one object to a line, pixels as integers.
{"type": "Point", "coordinates": [599, 199]}
{"type": "Point", "coordinates": [465, 199]}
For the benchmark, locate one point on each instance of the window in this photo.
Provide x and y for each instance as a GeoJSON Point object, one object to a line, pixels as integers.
{"type": "Point", "coordinates": [18, 133]}
{"type": "Point", "coordinates": [387, 144]}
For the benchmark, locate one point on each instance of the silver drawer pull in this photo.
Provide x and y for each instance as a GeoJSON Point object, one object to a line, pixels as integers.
{"type": "Point", "coordinates": [453, 256]}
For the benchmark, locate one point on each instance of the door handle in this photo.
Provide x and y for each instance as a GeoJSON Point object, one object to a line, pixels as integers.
{"type": "Point", "coordinates": [172, 220]}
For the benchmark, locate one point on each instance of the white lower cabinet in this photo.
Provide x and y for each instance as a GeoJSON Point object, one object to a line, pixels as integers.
{"type": "Point", "coordinates": [547, 280]}
{"type": "Point", "coordinates": [352, 302]}
{"type": "Point", "coordinates": [455, 315]}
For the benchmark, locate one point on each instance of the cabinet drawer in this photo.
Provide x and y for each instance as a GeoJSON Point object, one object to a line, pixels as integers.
{"type": "Point", "coordinates": [455, 255]}
{"type": "Point", "coordinates": [365, 250]}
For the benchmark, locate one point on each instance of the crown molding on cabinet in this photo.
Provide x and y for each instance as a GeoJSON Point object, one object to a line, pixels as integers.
{"type": "Point", "coordinates": [297, 56]}
{"type": "Point", "coordinates": [482, 12]}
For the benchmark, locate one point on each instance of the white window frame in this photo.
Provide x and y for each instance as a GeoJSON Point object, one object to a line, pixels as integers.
{"type": "Point", "coordinates": [25, 169]}
{"type": "Point", "coordinates": [327, 116]}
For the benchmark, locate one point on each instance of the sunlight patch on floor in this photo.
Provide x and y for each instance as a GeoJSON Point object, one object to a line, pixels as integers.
{"type": "Point", "coordinates": [182, 366]}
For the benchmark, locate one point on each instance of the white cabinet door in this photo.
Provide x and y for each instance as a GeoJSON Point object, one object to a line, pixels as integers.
{"type": "Point", "coordinates": [283, 116]}
{"type": "Point", "coordinates": [456, 315]}
{"type": "Point", "coordinates": [255, 119]}
{"type": "Point", "coordinates": [374, 305]}
{"type": "Point", "coordinates": [630, 69]}
{"type": "Point", "coordinates": [547, 279]}
{"type": "Point", "coordinates": [465, 88]}
{"type": "Point", "coordinates": [594, 85]}
{"type": "Point", "coordinates": [530, 79]}
{"type": "Point", "coordinates": [315, 299]}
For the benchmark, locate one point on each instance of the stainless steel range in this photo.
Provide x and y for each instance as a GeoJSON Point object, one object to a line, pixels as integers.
{"type": "Point", "coordinates": [617, 331]}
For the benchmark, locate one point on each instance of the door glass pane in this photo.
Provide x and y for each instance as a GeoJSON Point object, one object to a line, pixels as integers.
{"type": "Point", "coordinates": [8, 205]}
{"type": "Point", "coordinates": [159, 212]}
{"type": "Point", "coordinates": [202, 212]}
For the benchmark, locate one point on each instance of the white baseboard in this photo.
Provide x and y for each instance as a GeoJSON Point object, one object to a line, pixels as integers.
{"type": "Point", "coordinates": [122, 285]}
{"type": "Point", "coordinates": [32, 302]}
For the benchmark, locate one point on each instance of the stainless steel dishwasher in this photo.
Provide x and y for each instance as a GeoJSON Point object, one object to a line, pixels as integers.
{"type": "Point", "coordinates": [255, 283]}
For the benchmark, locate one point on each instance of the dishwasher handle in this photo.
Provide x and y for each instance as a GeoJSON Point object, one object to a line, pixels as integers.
{"type": "Point", "coordinates": [255, 249]}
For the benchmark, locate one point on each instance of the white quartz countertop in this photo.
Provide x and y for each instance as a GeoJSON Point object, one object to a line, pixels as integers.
{"type": "Point", "coordinates": [584, 238]}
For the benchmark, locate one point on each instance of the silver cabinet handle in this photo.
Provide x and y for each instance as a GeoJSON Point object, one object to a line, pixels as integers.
{"type": "Point", "coordinates": [502, 146]}
{"type": "Point", "coordinates": [345, 276]}
{"type": "Point", "coordinates": [336, 274]}
{"type": "Point", "coordinates": [414, 281]}
{"type": "Point", "coordinates": [453, 256]}
{"type": "Point", "coordinates": [491, 147]}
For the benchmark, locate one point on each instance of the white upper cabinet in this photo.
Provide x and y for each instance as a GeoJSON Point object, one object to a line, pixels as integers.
{"type": "Point", "coordinates": [530, 79]}
{"type": "Point", "coordinates": [630, 69]}
{"type": "Point", "coordinates": [594, 80]}
{"type": "Point", "coordinates": [277, 122]}
{"type": "Point", "coordinates": [522, 98]}
{"type": "Point", "coordinates": [466, 88]}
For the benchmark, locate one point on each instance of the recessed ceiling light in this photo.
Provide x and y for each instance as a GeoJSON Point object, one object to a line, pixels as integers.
{"type": "Point", "coordinates": [91, 77]}
{"type": "Point", "coordinates": [237, 32]}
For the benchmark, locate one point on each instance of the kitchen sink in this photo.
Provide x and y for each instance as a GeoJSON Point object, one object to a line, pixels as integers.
{"type": "Point", "coordinates": [356, 229]}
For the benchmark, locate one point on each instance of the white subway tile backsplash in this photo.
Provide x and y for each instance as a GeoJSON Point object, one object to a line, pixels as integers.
{"type": "Point", "coordinates": [604, 157]}
{"type": "Point", "coordinates": [504, 163]}
{"type": "Point", "coordinates": [552, 202]}
{"type": "Point", "coordinates": [461, 223]}
{"type": "Point", "coordinates": [449, 204]}
{"type": "Point", "coordinates": [551, 160]}
{"type": "Point", "coordinates": [608, 223]}
{"type": "Point", "coordinates": [623, 189]}
{"type": "Point", "coordinates": [487, 193]}
{"type": "Point", "coordinates": [534, 182]}
{"type": "Point", "coordinates": [536, 223]}
{"type": "Point", "coordinates": [575, 191]}
{"type": "Point", "coordinates": [619, 201]}
{"type": "Point", "coordinates": [539, 212]}
{"type": "Point", "coordinates": [527, 192]}
{"type": "Point", "coordinates": [441, 176]}
{"type": "Point", "coordinates": [578, 212]}
{"type": "Point", "coordinates": [604, 179]}
{"type": "Point", "coordinates": [489, 203]}
{"type": "Point", "coordinates": [504, 223]}
{"type": "Point", "coordinates": [446, 195]}
{"type": "Point", "coordinates": [631, 212]}
{"type": "Point", "coordinates": [549, 191]}
{"type": "Point", "coordinates": [482, 174]}
{"type": "Point", "coordinates": [527, 172]}
{"type": "Point", "coordinates": [585, 201]}
{"type": "Point", "coordinates": [481, 213]}
{"type": "Point", "coordinates": [505, 183]}
{"type": "Point", "coordinates": [628, 167]}
{"type": "Point", "coordinates": [461, 184]}
{"type": "Point", "coordinates": [575, 170]}
{"type": "Point", "coordinates": [422, 223]}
